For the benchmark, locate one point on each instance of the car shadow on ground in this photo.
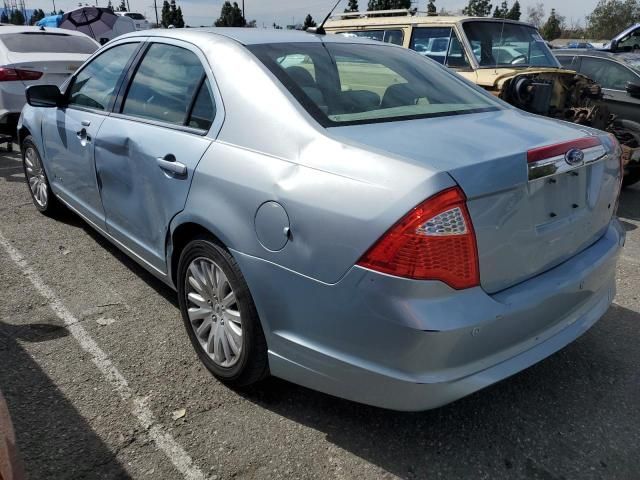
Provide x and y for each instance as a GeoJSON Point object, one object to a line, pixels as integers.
{"type": "Point", "coordinates": [534, 424]}
{"type": "Point", "coordinates": [70, 218]}
{"type": "Point", "coordinates": [54, 440]}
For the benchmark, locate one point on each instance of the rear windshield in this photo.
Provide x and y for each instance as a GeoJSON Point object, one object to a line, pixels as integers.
{"type": "Point", "coordinates": [135, 16]}
{"type": "Point", "coordinates": [345, 84]}
{"type": "Point", "coordinates": [30, 42]}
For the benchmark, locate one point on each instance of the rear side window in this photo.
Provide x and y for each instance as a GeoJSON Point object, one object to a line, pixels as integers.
{"type": "Point", "coordinates": [204, 109]}
{"type": "Point", "coordinates": [135, 16]}
{"type": "Point", "coordinates": [95, 85]}
{"type": "Point", "coordinates": [48, 43]}
{"type": "Point", "coordinates": [388, 36]}
{"type": "Point", "coordinates": [164, 84]}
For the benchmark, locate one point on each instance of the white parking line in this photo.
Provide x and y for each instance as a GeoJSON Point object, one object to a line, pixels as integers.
{"type": "Point", "coordinates": [163, 440]}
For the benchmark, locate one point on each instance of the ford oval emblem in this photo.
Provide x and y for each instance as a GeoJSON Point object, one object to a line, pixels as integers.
{"type": "Point", "coordinates": [574, 157]}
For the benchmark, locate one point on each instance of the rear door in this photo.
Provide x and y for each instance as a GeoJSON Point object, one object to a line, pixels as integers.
{"type": "Point", "coordinates": [148, 149]}
{"type": "Point", "coordinates": [614, 77]}
{"type": "Point", "coordinates": [69, 132]}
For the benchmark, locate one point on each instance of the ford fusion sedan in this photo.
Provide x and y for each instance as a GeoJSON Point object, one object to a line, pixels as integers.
{"type": "Point", "coordinates": [341, 213]}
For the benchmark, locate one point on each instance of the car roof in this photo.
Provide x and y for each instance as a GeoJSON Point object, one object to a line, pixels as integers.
{"type": "Point", "coordinates": [339, 21]}
{"type": "Point", "coordinates": [588, 52]}
{"type": "Point", "coordinates": [249, 36]}
{"type": "Point", "coordinates": [9, 29]}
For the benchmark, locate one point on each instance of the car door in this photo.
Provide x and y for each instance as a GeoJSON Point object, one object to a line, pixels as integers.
{"type": "Point", "coordinates": [148, 149]}
{"type": "Point", "coordinates": [614, 77]}
{"type": "Point", "coordinates": [69, 132]}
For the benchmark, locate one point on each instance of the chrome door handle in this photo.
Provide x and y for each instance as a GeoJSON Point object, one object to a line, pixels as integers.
{"type": "Point", "coordinates": [86, 123]}
{"type": "Point", "coordinates": [168, 163]}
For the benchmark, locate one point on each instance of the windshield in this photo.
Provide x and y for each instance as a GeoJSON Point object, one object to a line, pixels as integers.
{"type": "Point", "coordinates": [339, 83]}
{"type": "Point", "coordinates": [498, 44]}
{"type": "Point", "coordinates": [633, 63]}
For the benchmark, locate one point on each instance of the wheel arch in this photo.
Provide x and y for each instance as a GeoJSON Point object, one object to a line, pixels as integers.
{"type": "Point", "coordinates": [178, 238]}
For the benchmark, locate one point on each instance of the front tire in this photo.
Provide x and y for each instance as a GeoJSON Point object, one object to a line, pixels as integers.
{"type": "Point", "coordinates": [37, 181]}
{"type": "Point", "coordinates": [219, 314]}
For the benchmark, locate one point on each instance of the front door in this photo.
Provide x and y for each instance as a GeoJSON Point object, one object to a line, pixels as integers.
{"type": "Point", "coordinates": [69, 133]}
{"type": "Point", "coordinates": [147, 152]}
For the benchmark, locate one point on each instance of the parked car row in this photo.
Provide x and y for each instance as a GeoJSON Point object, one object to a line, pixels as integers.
{"type": "Point", "coordinates": [337, 211]}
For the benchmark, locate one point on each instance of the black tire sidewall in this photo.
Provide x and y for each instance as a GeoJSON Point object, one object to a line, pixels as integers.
{"type": "Point", "coordinates": [250, 324]}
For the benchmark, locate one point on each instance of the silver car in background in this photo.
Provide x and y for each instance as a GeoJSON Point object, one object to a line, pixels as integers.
{"type": "Point", "coordinates": [341, 213]}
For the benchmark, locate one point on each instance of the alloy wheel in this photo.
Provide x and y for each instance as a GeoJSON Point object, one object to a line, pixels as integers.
{"type": "Point", "coordinates": [213, 312]}
{"type": "Point", "coordinates": [36, 177]}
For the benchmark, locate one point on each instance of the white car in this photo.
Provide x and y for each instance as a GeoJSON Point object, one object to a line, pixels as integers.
{"type": "Point", "coordinates": [139, 20]}
{"type": "Point", "coordinates": [36, 55]}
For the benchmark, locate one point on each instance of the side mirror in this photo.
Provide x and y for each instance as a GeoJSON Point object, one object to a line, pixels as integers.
{"type": "Point", "coordinates": [633, 89]}
{"type": "Point", "coordinates": [44, 96]}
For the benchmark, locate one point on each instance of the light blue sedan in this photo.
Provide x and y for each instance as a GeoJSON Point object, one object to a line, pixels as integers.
{"type": "Point", "coordinates": [341, 213]}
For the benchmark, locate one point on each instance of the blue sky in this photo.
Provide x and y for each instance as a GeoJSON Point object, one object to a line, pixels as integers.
{"type": "Point", "coordinates": [204, 12]}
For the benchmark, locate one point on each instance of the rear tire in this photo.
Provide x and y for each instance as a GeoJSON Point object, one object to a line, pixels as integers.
{"type": "Point", "coordinates": [219, 314]}
{"type": "Point", "coordinates": [41, 194]}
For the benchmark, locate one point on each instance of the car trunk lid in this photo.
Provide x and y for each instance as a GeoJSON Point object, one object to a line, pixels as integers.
{"type": "Point", "coordinates": [523, 226]}
{"type": "Point", "coordinates": [55, 69]}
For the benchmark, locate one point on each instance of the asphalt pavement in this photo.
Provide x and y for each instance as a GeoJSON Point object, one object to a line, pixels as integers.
{"type": "Point", "coordinates": [102, 383]}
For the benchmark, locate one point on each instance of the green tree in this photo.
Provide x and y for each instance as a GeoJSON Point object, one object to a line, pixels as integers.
{"type": "Point", "coordinates": [478, 8]}
{"type": "Point", "coordinates": [611, 16]}
{"type": "Point", "coordinates": [352, 6]}
{"type": "Point", "coordinates": [552, 29]}
{"type": "Point", "coordinates": [514, 13]}
{"type": "Point", "coordinates": [122, 7]}
{"type": "Point", "coordinates": [179, 20]}
{"type": "Point", "coordinates": [17, 18]}
{"type": "Point", "coordinates": [308, 22]}
{"type": "Point", "coordinates": [389, 4]}
{"type": "Point", "coordinates": [432, 11]}
{"type": "Point", "coordinates": [4, 18]}
{"type": "Point", "coordinates": [165, 14]}
{"type": "Point", "coordinates": [501, 11]}
{"type": "Point", "coordinates": [110, 5]}
{"type": "Point", "coordinates": [230, 16]}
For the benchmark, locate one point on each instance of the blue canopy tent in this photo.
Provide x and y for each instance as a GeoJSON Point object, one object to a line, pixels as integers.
{"type": "Point", "coordinates": [50, 21]}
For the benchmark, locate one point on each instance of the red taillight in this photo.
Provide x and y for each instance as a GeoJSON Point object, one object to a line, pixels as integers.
{"type": "Point", "coordinates": [13, 74]}
{"type": "Point", "coordinates": [558, 149]}
{"type": "Point", "coordinates": [434, 241]}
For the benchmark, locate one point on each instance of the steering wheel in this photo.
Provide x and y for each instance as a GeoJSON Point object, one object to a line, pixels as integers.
{"type": "Point", "coordinates": [518, 59]}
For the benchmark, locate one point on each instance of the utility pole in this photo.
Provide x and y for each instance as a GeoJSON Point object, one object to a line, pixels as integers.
{"type": "Point", "coordinates": [128, 6]}
{"type": "Point", "coordinates": [54, 7]}
{"type": "Point", "coordinates": [155, 6]}
{"type": "Point", "coordinates": [244, 19]}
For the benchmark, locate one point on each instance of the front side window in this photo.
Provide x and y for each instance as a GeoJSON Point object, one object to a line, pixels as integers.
{"type": "Point", "coordinates": [164, 84]}
{"type": "Point", "coordinates": [607, 73]}
{"type": "Point", "coordinates": [95, 86]}
{"type": "Point", "coordinates": [440, 44]}
{"type": "Point", "coordinates": [395, 36]}
{"type": "Point", "coordinates": [504, 44]}
{"type": "Point", "coordinates": [357, 83]}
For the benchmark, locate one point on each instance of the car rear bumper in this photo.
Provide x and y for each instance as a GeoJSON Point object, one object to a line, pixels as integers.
{"type": "Point", "coordinates": [415, 345]}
